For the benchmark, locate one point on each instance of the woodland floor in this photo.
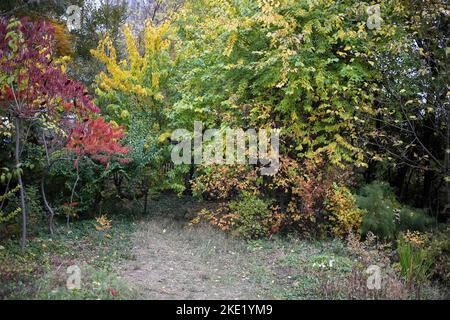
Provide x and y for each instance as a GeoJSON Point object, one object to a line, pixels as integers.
{"type": "Point", "coordinates": [174, 260]}
{"type": "Point", "coordinates": [161, 256]}
{"type": "Point", "coordinates": [171, 259]}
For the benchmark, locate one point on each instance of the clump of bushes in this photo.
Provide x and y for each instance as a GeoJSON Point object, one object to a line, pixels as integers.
{"type": "Point", "coordinates": [437, 250]}
{"type": "Point", "coordinates": [249, 216]}
{"type": "Point", "coordinates": [345, 216]}
{"type": "Point", "coordinates": [307, 187]}
{"type": "Point", "coordinates": [385, 216]}
{"type": "Point", "coordinates": [316, 199]}
{"type": "Point", "coordinates": [222, 182]}
{"type": "Point", "coordinates": [253, 216]}
{"type": "Point", "coordinates": [306, 198]}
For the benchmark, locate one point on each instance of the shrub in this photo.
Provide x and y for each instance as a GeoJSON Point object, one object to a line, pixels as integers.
{"type": "Point", "coordinates": [252, 216]}
{"type": "Point", "coordinates": [10, 221]}
{"type": "Point", "coordinates": [308, 186]}
{"type": "Point", "coordinates": [35, 210]}
{"type": "Point", "coordinates": [88, 188]}
{"type": "Point", "coordinates": [306, 194]}
{"type": "Point", "coordinates": [437, 250]}
{"type": "Point", "coordinates": [380, 217]}
{"type": "Point", "coordinates": [248, 216]}
{"type": "Point", "coordinates": [345, 216]}
{"type": "Point", "coordinates": [413, 219]}
{"type": "Point", "coordinates": [10, 213]}
{"type": "Point", "coordinates": [386, 217]}
{"type": "Point", "coordinates": [223, 182]}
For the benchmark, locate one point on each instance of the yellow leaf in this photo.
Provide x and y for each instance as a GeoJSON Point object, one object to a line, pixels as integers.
{"type": "Point", "coordinates": [124, 114]}
{"type": "Point", "coordinates": [163, 137]}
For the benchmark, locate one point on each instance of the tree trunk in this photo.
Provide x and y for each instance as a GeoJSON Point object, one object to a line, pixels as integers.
{"type": "Point", "coordinates": [447, 159]}
{"type": "Point", "coordinates": [50, 211]}
{"type": "Point", "coordinates": [72, 194]}
{"type": "Point", "coordinates": [145, 202]}
{"type": "Point", "coordinates": [427, 197]}
{"type": "Point", "coordinates": [399, 181]}
{"type": "Point", "coordinates": [22, 190]}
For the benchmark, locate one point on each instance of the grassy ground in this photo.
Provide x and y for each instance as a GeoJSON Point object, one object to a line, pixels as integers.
{"type": "Point", "coordinates": [173, 260]}
{"type": "Point", "coordinates": [201, 263]}
{"type": "Point", "coordinates": [40, 272]}
{"type": "Point", "coordinates": [161, 256]}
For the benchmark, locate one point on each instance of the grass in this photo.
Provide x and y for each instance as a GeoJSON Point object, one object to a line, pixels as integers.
{"type": "Point", "coordinates": [295, 269]}
{"type": "Point", "coordinates": [40, 272]}
{"type": "Point", "coordinates": [277, 268]}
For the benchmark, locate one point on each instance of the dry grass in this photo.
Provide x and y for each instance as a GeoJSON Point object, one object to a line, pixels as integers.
{"type": "Point", "coordinates": [176, 261]}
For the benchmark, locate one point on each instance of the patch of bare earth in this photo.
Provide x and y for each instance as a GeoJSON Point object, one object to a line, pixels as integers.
{"type": "Point", "coordinates": [173, 260]}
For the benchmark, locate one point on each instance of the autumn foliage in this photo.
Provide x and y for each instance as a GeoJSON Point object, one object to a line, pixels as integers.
{"type": "Point", "coordinates": [96, 138]}
{"type": "Point", "coordinates": [354, 103]}
{"type": "Point", "coordinates": [37, 81]}
{"type": "Point", "coordinates": [32, 75]}
{"type": "Point", "coordinates": [46, 107]}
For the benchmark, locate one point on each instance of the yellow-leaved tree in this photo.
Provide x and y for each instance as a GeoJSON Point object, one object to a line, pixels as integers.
{"type": "Point", "coordinates": [134, 83]}
{"type": "Point", "coordinates": [134, 92]}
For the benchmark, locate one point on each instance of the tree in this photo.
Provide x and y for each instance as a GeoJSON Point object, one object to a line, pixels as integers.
{"type": "Point", "coordinates": [409, 131]}
{"type": "Point", "coordinates": [39, 99]}
{"type": "Point", "coordinates": [98, 18]}
{"type": "Point", "coordinates": [135, 93]}
{"type": "Point", "coordinates": [307, 67]}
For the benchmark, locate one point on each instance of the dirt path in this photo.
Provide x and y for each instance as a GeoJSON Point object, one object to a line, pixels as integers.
{"type": "Point", "coordinates": [172, 260]}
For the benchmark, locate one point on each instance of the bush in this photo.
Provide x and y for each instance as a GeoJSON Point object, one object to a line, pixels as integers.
{"type": "Point", "coordinates": [437, 250]}
{"type": "Point", "coordinates": [308, 187]}
{"type": "Point", "coordinates": [306, 195]}
{"type": "Point", "coordinates": [10, 212]}
{"type": "Point", "coordinates": [252, 216]}
{"type": "Point", "coordinates": [35, 210]}
{"type": "Point", "coordinates": [413, 219]}
{"type": "Point", "coordinates": [223, 182]}
{"type": "Point", "coordinates": [345, 216]}
{"type": "Point", "coordinates": [10, 221]}
{"type": "Point", "coordinates": [88, 188]}
{"type": "Point", "coordinates": [386, 217]}
{"type": "Point", "coordinates": [249, 216]}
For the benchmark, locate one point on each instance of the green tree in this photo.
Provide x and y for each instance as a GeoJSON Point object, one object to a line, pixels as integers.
{"type": "Point", "coordinates": [409, 129]}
